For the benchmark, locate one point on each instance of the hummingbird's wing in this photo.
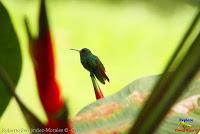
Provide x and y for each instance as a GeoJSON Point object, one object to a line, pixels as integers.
{"type": "Point", "coordinates": [95, 66]}
{"type": "Point", "coordinates": [100, 71]}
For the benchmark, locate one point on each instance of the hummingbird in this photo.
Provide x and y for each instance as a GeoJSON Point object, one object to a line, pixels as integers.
{"type": "Point", "coordinates": [93, 64]}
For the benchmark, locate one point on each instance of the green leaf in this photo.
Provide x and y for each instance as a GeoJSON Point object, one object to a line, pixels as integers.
{"type": "Point", "coordinates": [176, 77]}
{"type": "Point", "coordinates": [117, 112]}
{"type": "Point", "coordinates": [31, 119]}
{"type": "Point", "coordinates": [10, 56]}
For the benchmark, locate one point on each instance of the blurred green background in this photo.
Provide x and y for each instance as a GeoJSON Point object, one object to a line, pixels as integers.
{"type": "Point", "coordinates": [132, 39]}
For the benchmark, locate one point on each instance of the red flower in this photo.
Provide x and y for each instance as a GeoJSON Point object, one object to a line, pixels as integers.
{"type": "Point", "coordinates": [41, 50]}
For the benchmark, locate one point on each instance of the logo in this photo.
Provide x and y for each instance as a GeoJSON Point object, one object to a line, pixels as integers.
{"type": "Point", "coordinates": [185, 125]}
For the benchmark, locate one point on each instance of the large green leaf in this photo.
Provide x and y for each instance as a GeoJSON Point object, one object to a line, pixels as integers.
{"type": "Point", "coordinates": [117, 112]}
{"type": "Point", "coordinates": [180, 71]}
{"type": "Point", "coordinates": [10, 57]}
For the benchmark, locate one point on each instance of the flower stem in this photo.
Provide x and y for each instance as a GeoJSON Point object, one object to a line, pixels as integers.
{"type": "Point", "coordinates": [97, 90]}
{"type": "Point", "coordinates": [31, 119]}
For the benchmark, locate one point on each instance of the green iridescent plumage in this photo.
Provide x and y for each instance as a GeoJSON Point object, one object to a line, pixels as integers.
{"type": "Point", "coordinates": [93, 65]}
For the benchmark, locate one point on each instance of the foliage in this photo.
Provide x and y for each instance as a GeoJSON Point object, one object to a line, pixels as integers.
{"type": "Point", "coordinates": [10, 55]}
{"type": "Point", "coordinates": [117, 112]}
{"type": "Point", "coordinates": [140, 107]}
{"type": "Point", "coordinates": [180, 71]}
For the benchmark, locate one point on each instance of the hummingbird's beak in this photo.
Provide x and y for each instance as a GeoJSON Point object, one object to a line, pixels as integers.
{"type": "Point", "coordinates": [75, 50]}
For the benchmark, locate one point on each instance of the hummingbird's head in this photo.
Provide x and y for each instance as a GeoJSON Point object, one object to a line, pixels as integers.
{"type": "Point", "coordinates": [85, 52]}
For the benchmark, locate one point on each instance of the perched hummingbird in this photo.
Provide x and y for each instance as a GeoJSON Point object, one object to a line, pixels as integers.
{"type": "Point", "coordinates": [92, 63]}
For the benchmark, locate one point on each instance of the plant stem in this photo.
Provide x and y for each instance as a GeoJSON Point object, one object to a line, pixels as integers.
{"type": "Point", "coordinates": [171, 85]}
{"type": "Point", "coordinates": [97, 90]}
{"type": "Point", "coordinates": [31, 119]}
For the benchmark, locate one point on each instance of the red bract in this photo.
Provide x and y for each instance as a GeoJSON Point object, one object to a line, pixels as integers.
{"type": "Point", "coordinates": [41, 50]}
{"type": "Point", "coordinates": [42, 53]}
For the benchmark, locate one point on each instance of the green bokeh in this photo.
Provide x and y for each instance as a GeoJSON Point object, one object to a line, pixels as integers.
{"type": "Point", "coordinates": [132, 40]}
